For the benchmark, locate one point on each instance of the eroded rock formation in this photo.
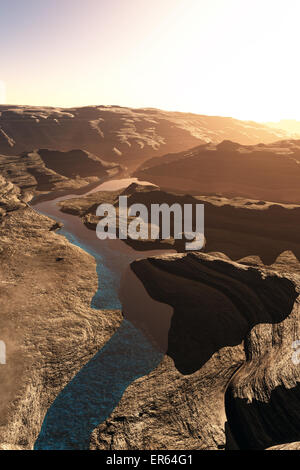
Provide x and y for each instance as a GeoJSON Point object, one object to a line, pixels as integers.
{"type": "Point", "coordinates": [232, 329]}
{"type": "Point", "coordinates": [235, 227]}
{"type": "Point", "coordinates": [262, 172]}
{"type": "Point", "coordinates": [42, 171]}
{"type": "Point", "coordinates": [128, 136]}
{"type": "Point", "coordinates": [263, 399]}
{"type": "Point", "coordinates": [46, 322]}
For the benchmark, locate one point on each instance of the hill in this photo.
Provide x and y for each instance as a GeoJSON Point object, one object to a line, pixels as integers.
{"type": "Point", "coordinates": [128, 136]}
{"type": "Point", "coordinates": [268, 172]}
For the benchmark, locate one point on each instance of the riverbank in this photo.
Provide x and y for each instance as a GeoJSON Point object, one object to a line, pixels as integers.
{"type": "Point", "coordinates": [131, 353]}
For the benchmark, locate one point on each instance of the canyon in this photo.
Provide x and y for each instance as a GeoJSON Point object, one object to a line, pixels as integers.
{"type": "Point", "coordinates": [136, 344]}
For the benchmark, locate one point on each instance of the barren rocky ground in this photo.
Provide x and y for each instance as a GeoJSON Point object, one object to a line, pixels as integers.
{"type": "Point", "coordinates": [224, 375]}
{"type": "Point", "coordinates": [263, 172]}
{"type": "Point", "coordinates": [237, 227]}
{"type": "Point", "coordinates": [235, 317]}
{"type": "Point", "coordinates": [123, 135]}
{"type": "Point", "coordinates": [47, 323]}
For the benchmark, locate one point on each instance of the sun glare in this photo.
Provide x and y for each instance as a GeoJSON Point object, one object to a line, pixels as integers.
{"type": "Point", "coordinates": [217, 57]}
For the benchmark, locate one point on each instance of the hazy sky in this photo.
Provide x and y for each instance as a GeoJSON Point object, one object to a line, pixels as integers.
{"type": "Point", "coordinates": [237, 58]}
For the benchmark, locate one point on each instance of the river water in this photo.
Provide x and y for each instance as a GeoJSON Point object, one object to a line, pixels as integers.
{"type": "Point", "coordinates": [95, 391]}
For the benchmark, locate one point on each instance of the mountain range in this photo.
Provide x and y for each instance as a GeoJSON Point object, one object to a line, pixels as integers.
{"type": "Point", "coordinates": [123, 135]}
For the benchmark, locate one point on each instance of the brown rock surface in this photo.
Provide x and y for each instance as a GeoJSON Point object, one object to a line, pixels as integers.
{"type": "Point", "coordinates": [228, 365]}
{"type": "Point", "coordinates": [10, 197]}
{"type": "Point", "coordinates": [248, 317]}
{"type": "Point", "coordinates": [128, 136]}
{"type": "Point", "coordinates": [263, 172]}
{"type": "Point", "coordinates": [292, 446]}
{"type": "Point", "coordinates": [237, 227]}
{"type": "Point", "coordinates": [44, 170]}
{"type": "Point", "coordinates": [46, 321]}
{"type": "Point", "coordinates": [263, 400]}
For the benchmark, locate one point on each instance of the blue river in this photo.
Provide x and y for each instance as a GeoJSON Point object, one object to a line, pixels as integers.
{"type": "Point", "coordinates": [89, 399]}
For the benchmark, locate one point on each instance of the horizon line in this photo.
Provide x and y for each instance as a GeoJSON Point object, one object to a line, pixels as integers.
{"type": "Point", "coordinates": [285, 119]}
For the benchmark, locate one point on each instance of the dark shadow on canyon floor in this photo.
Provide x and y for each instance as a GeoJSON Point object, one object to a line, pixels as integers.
{"type": "Point", "coordinates": [216, 303]}
{"type": "Point", "coordinates": [237, 231]}
{"type": "Point", "coordinates": [259, 425]}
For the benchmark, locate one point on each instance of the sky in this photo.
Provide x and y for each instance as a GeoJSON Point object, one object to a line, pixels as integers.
{"type": "Point", "coordinates": [236, 58]}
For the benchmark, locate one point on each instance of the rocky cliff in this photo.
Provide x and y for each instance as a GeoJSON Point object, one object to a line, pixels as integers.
{"type": "Point", "coordinates": [236, 227]}
{"type": "Point", "coordinates": [227, 379]}
{"type": "Point", "coordinates": [268, 172]}
{"type": "Point", "coordinates": [43, 171]}
{"type": "Point", "coordinates": [46, 322]}
{"type": "Point", "coordinates": [127, 136]}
